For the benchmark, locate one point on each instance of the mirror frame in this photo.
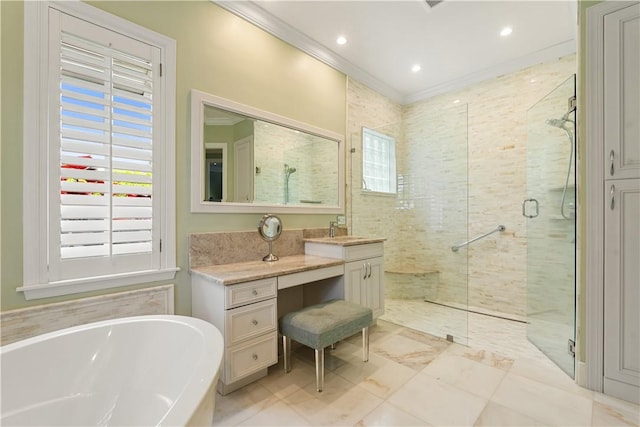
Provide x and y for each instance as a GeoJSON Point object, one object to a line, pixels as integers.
{"type": "Point", "coordinates": [198, 102]}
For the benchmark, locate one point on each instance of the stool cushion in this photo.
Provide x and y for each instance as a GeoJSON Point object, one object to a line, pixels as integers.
{"type": "Point", "coordinates": [321, 325]}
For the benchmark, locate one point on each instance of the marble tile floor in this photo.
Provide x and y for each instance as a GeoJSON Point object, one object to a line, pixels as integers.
{"type": "Point", "coordinates": [416, 379]}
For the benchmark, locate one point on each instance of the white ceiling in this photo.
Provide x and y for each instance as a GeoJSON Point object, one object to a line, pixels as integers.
{"type": "Point", "coordinates": [456, 42]}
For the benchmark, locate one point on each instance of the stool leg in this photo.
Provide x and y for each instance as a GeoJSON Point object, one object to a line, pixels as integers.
{"type": "Point", "coordinates": [286, 350]}
{"type": "Point", "coordinates": [319, 369]}
{"type": "Point", "coordinates": [365, 344]}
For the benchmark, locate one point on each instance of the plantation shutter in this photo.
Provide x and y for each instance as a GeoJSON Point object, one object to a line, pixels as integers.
{"type": "Point", "coordinates": [101, 195]}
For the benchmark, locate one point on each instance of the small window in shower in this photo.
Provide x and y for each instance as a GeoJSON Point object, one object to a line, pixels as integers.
{"type": "Point", "coordinates": [378, 162]}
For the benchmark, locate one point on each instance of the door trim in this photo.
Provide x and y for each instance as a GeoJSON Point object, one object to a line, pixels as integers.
{"type": "Point", "coordinates": [594, 208]}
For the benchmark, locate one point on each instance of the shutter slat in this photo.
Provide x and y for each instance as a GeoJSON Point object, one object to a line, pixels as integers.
{"type": "Point", "coordinates": [132, 201]}
{"type": "Point", "coordinates": [132, 248]}
{"type": "Point", "coordinates": [139, 99]}
{"type": "Point", "coordinates": [70, 186]}
{"type": "Point", "coordinates": [78, 146]}
{"type": "Point", "coordinates": [87, 124]}
{"type": "Point", "coordinates": [129, 177]}
{"type": "Point", "coordinates": [78, 87]}
{"type": "Point", "coordinates": [87, 212]}
{"type": "Point", "coordinates": [131, 131]}
{"type": "Point", "coordinates": [143, 109]}
{"type": "Point", "coordinates": [81, 109]}
{"type": "Point", "coordinates": [146, 122]}
{"type": "Point", "coordinates": [84, 225]}
{"type": "Point", "coordinates": [69, 239]}
{"type": "Point", "coordinates": [84, 73]}
{"type": "Point", "coordinates": [132, 236]}
{"type": "Point", "coordinates": [81, 199]}
{"type": "Point", "coordinates": [84, 161]}
{"type": "Point", "coordinates": [89, 175]}
{"type": "Point", "coordinates": [85, 251]}
{"type": "Point", "coordinates": [97, 136]}
{"type": "Point", "coordinates": [131, 153]}
{"type": "Point", "coordinates": [125, 224]}
{"type": "Point", "coordinates": [131, 190]}
{"type": "Point", "coordinates": [126, 212]}
{"type": "Point", "coordinates": [144, 144]}
{"type": "Point", "coordinates": [76, 95]}
{"type": "Point", "coordinates": [139, 167]}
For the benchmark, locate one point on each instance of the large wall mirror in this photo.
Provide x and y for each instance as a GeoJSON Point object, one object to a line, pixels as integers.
{"type": "Point", "coordinates": [247, 160]}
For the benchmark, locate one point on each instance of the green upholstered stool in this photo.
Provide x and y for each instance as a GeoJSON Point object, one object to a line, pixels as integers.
{"type": "Point", "coordinates": [321, 325]}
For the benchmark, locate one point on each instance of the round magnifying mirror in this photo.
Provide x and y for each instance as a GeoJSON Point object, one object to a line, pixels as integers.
{"type": "Point", "coordinates": [270, 227]}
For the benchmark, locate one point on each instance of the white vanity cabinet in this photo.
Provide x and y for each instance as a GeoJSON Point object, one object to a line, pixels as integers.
{"type": "Point", "coordinates": [246, 314]}
{"type": "Point", "coordinates": [240, 299]}
{"type": "Point", "coordinates": [363, 268]}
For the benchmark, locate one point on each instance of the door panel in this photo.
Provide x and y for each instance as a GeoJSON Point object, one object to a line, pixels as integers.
{"type": "Point", "coordinates": [621, 93]}
{"type": "Point", "coordinates": [550, 211]}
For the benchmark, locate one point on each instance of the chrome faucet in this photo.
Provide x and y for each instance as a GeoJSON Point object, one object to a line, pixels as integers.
{"type": "Point", "coordinates": [332, 228]}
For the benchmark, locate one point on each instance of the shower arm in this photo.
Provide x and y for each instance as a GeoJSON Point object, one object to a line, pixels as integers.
{"type": "Point", "coordinates": [500, 228]}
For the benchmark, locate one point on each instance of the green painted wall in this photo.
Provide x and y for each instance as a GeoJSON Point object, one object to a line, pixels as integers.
{"type": "Point", "coordinates": [217, 53]}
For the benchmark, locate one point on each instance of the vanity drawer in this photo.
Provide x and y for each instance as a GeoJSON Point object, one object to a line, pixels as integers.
{"type": "Point", "coordinates": [248, 292]}
{"type": "Point", "coordinates": [250, 321]}
{"type": "Point", "coordinates": [370, 250]}
{"type": "Point", "coordinates": [245, 359]}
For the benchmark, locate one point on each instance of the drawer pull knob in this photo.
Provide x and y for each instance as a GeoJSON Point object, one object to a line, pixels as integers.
{"type": "Point", "coordinates": [255, 356]}
{"type": "Point", "coordinates": [254, 292]}
{"type": "Point", "coordinates": [254, 322]}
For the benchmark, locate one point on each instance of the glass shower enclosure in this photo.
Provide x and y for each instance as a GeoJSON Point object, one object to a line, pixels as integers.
{"type": "Point", "coordinates": [426, 283]}
{"type": "Point", "coordinates": [550, 209]}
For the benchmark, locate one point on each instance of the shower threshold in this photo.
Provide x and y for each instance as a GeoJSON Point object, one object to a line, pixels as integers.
{"type": "Point", "coordinates": [460, 307]}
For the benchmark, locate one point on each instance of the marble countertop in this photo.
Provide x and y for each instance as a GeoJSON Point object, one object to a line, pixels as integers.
{"type": "Point", "coordinates": [229, 274]}
{"type": "Point", "coordinates": [345, 240]}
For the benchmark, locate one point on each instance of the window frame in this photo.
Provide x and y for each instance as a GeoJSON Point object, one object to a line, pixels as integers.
{"type": "Point", "coordinates": [37, 160]}
{"type": "Point", "coordinates": [393, 178]}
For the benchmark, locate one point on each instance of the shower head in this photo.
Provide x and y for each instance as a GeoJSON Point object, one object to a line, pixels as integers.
{"type": "Point", "coordinates": [559, 123]}
{"type": "Point", "coordinates": [289, 170]}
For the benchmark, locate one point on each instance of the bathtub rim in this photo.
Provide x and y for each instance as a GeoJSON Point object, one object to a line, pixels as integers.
{"type": "Point", "coordinates": [189, 400]}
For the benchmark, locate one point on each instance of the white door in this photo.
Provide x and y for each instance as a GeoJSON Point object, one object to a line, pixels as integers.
{"type": "Point", "coordinates": [622, 203]}
{"type": "Point", "coordinates": [243, 167]}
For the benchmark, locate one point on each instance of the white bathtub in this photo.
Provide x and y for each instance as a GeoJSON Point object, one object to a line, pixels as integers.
{"type": "Point", "coordinates": [134, 371]}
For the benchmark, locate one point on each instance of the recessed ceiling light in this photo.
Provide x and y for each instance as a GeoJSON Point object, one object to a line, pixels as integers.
{"type": "Point", "coordinates": [341, 40]}
{"type": "Point", "coordinates": [457, 101]}
{"type": "Point", "coordinates": [416, 68]}
{"type": "Point", "coordinates": [506, 31]}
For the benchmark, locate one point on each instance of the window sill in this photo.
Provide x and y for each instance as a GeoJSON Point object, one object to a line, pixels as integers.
{"type": "Point", "coordinates": [68, 287]}
{"type": "Point", "coordinates": [377, 193]}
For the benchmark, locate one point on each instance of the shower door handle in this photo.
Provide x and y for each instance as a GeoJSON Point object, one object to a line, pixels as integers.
{"type": "Point", "coordinates": [524, 208]}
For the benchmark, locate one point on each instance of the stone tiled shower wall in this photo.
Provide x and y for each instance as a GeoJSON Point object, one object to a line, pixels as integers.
{"type": "Point", "coordinates": [439, 142]}
{"type": "Point", "coordinates": [31, 321]}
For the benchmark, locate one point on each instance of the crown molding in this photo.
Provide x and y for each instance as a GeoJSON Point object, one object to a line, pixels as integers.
{"type": "Point", "coordinates": [256, 15]}
{"type": "Point", "coordinates": [544, 55]}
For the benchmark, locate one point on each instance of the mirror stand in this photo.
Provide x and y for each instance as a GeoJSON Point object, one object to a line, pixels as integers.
{"type": "Point", "coordinates": [271, 257]}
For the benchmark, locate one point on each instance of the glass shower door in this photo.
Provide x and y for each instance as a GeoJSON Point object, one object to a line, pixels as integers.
{"type": "Point", "coordinates": [549, 209]}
